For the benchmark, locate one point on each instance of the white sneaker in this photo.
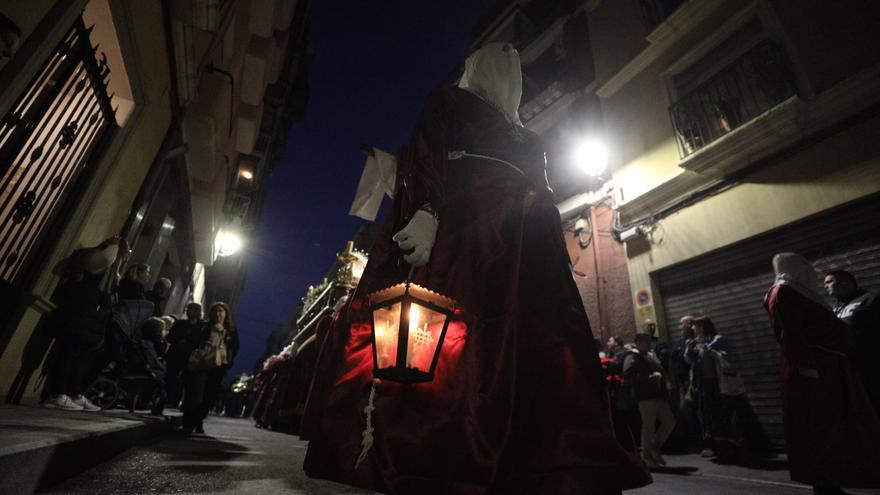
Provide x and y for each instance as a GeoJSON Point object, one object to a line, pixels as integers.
{"type": "Point", "coordinates": [62, 401]}
{"type": "Point", "coordinates": [85, 403]}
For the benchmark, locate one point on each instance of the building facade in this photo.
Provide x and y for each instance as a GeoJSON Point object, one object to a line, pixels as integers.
{"type": "Point", "coordinates": [739, 130]}
{"type": "Point", "coordinates": [734, 130]}
{"type": "Point", "coordinates": [156, 121]}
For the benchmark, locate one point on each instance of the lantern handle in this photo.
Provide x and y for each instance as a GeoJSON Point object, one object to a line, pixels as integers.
{"type": "Point", "coordinates": [412, 269]}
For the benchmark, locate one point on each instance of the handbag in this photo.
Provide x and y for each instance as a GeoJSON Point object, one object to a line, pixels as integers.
{"type": "Point", "coordinates": [729, 380]}
{"type": "Point", "coordinates": [204, 357]}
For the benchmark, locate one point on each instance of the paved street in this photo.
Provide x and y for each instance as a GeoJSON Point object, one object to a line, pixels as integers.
{"type": "Point", "coordinates": [235, 457]}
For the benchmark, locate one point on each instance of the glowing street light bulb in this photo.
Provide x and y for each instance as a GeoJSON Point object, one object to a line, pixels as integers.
{"type": "Point", "coordinates": [591, 157]}
{"type": "Point", "coordinates": [247, 174]}
{"type": "Point", "coordinates": [228, 243]}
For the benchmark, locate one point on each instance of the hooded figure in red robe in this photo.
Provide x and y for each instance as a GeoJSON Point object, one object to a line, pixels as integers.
{"type": "Point", "coordinates": [518, 404]}
{"type": "Point", "coordinates": [831, 431]}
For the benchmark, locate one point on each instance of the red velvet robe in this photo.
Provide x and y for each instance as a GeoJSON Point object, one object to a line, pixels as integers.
{"type": "Point", "coordinates": [832, 434]}
{"type": "Point", "coordinates": [519, 403]}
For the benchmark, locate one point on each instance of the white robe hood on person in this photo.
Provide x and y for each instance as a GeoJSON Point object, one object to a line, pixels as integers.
{"type": "Point", "coordinates": [494, 74]}
{"type": "Point", "coordinates": [793, 270]}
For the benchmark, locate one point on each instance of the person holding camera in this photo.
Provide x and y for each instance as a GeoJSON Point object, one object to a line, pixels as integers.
{"type": "Point", "coordinates": [643, 370]}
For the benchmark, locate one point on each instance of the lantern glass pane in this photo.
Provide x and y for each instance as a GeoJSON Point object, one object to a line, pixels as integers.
{"type": "Point", "coordinates": [387, 326]}
{"type": "Point", "coordinates": [425, 327]}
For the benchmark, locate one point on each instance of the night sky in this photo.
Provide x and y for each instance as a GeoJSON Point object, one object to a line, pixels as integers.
{"type": "Point", "coordinates": [372, 69]}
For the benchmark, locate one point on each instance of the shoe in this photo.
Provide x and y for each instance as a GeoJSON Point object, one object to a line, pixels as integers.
{"type": "Point", "coordinates": [707, 453]}
{"type": "Point", "coordinates": [658, 458]}
{"type": "Point", "coordinates": [85, 403]}
{"type": "Point", "coordinates": [63, 402]}
{"type": "Point", "coordinates": [650, 462]}
{"type": "Point", "coordinates": [199, 428]}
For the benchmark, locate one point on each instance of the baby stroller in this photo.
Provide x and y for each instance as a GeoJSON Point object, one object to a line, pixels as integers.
{"type": "Point", "coordinates": [134, 375]}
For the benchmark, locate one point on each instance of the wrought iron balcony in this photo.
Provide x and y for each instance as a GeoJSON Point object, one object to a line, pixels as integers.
{"type": "Point", "coordinates": [752, 84]}
{"type": "Point", "coordinates": [656, 11]}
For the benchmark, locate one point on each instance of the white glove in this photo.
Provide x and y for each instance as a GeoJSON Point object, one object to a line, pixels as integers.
{"type": "Point", "coordinates": [418, 235]}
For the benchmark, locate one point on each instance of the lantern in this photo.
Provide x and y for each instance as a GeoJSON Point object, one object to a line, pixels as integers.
{"type": "Point", "coordinates": [408, 327]}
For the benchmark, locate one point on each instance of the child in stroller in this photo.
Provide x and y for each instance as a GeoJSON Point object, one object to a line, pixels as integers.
{"type": "Point", "coordinates": [134, 376]}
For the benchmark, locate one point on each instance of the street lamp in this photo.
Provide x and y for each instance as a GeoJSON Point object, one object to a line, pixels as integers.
{"type": "Point", "coordinates": [246, 174]}
{"type": "Point", "coordinates": [592, 157]}
{"type": "Point", "coordinates": [228, 243]}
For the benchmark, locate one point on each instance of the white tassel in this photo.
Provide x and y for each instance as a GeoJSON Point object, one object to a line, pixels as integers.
{"type": "Point", "coordinates": [367, 440]}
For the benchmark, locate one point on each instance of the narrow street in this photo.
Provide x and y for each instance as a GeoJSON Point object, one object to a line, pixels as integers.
{"type": "Point", "coordinates": [235, 457]}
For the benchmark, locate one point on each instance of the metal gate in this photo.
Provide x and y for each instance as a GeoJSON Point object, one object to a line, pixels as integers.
{"type": "Point", "coordinates": [47, 140]}
{"type": "Point", "coordinates": [729, 286]}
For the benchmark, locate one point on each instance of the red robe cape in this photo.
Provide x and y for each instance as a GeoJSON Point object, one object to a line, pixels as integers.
{"type": "Point", "coordinates": [831, 431]}
{"type": "Point", "coordinates": [519, 403]}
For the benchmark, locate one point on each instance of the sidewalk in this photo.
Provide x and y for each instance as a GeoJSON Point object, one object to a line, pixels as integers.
{"type": "Point", "coordinates": [40, 446]}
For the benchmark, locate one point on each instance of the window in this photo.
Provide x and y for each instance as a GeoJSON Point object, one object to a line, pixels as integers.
{"type": "Point", "coordinates": [738, 80]}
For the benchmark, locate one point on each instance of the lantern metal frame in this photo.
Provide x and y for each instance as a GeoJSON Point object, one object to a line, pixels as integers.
{"type": "Point", "coordinates": [407, 294]}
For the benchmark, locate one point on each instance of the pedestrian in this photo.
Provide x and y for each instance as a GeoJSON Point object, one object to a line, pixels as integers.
{"type": "Point", "coordinates": [203, 379]}
{"type": "Point", "coordinates": [79, 325]}
{"type": "Point", "coordinates": [643, 370]}
{"type": "Point", "coordinates": [624, 406]}
{"type": "Point", "coordinates": [860, 310]}
{"type": "Point", "coordinates": [153, 344]}
{"type": "Point", "coordinates": [711, 357]}
{"type": "Point", "coordinates": [182, 339]}
{"type": "Point", "coordinates": [132, 286]}
{"type": "Point", "coordinates": [518, 403]}
{"type": "Point", "coordinates": [159, 294]}
{"type": "Point", "coordinates": [681, 371]}
{"type": "Point", "coordinates": [169, 322]}
{"type": "Point", "coordinates": [831, 430]}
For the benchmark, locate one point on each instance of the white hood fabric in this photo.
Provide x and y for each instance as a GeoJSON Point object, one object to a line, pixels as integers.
{"type": "Point", "coordinates": [793, 270]}
{"type": "Point", "coordinates": [98, 260]}
{"type": "Point", "coordinates": [494, 74]}
{"type": "Point", "coordinates": [377, 180]}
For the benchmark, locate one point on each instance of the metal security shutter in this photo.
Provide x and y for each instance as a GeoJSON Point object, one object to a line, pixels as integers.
{"type": "Point", "coordinates": [729, 286]}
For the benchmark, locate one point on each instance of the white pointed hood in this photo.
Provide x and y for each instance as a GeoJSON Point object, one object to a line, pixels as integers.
{"type": "Point", "coordinates": [494, 74]}
{"type": "Point", "coordinates": [796, 272]}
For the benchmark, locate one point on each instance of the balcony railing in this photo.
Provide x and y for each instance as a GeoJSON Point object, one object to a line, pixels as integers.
{"type": "Point", "coordinates": [754, 83]}
{"type": "Point", "coordinates": [656, 11]}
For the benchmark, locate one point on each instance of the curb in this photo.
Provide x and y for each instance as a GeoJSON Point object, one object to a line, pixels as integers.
{"type": "Point", "coordinates": [27, 468]}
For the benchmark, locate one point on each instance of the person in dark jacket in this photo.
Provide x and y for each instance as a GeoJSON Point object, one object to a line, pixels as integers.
{"type": "Point", "coordinates": [182, 339]}
{"type": "Point", "coordinates": [78, 323]}
{"type": "Point", "coordinates": [718, 412]}
{"type": "Point", "coordinates": [860, 310]}
{"type": "Point", "coordinates": [643, 370]}
{"type": "Point", "coordinates": [159, 294]}
{"type": "Point", "coordinates": [682, 373]}
{"type": "Point", "coordinates": [132, 286]}
{"type": "Point", "coordinates": [202, 386]}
